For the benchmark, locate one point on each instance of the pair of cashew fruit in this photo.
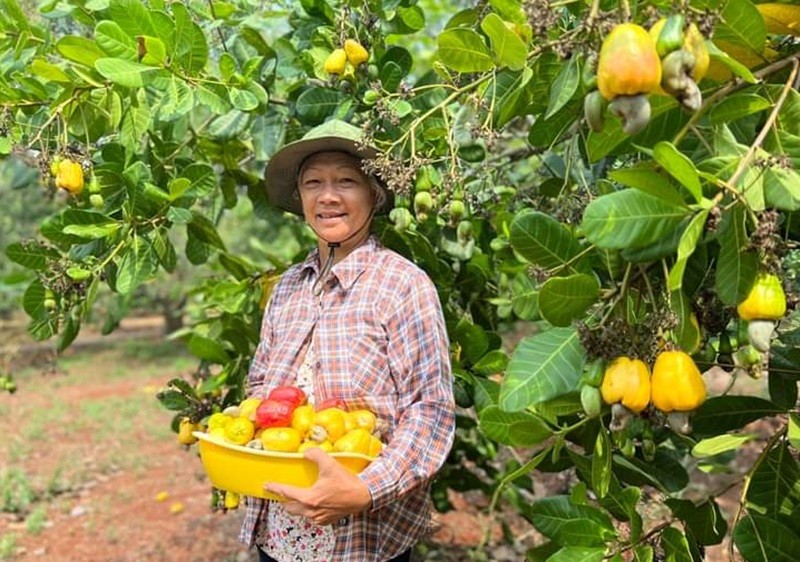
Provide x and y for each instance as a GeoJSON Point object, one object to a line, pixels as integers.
{"type": "Point", "coordinates": [675, 387]}
{"type": "Point", "coordinates": [668, 60]}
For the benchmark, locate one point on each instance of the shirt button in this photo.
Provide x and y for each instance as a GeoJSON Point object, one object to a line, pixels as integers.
{"type": "Point", "coordinates": [343, 522]}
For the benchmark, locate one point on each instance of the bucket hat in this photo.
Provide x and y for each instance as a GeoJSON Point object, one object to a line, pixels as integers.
{"type": "Point", "coordinates": [280, 175]}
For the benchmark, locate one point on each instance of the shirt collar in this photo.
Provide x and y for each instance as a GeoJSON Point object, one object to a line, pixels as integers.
{"type": "Point", "coordinates": [351, 267]}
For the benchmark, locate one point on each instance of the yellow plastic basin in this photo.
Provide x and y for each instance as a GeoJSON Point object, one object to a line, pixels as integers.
{"type": "Point", "coordinates": [245, 471]}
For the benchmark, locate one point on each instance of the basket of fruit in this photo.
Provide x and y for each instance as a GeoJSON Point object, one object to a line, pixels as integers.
{"type": "Point", "coordinates": [263, 440]}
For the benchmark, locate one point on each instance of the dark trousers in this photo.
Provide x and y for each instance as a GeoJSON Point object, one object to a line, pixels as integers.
{"type": "Point", "coordinates": [405, 557]}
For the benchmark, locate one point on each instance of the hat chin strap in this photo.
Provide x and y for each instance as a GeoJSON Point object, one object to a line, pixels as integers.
{"type": "Point", "coordinates": [326, 268]}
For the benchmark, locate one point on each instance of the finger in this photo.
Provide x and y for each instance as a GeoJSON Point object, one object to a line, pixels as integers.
{"type": "Point", "coordinates": [295, 508]}
{"type": "Point", "coordinates": [318, 456]}
{"type": "Point", "coordinates": [284, 490]}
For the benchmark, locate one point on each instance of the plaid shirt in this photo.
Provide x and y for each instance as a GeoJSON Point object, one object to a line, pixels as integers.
{"type": "Point", "coordinates": [381, 344]}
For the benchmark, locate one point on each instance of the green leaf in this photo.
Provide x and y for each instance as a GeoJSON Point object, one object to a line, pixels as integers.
{"type": "Point", "coordinates": [663, 472]}
{"type": "Point", "coordinates": [92, 231]}
{"type": "Point", "coordinates": [509, 50]}
{"type": "Point", "coordinates": [568, 524]}
{"type": "Point", "coordinates": [564, 86]}
{"type": "Point", "coordinates": [736, 267]}
{"type": "Point", "coordinates": [578, 554]}
{"type": "Point", "coordinates": [645, 178]}
{"type": "Point", "coordinates": [686, 247]}
{"type": "Point", "coordinates": [473, 340]}
{"type": "Point", "coordinates": [630, 219]}
{"type": "Point", "coordinates": [774, 488]}
{"type": "Point", "coordinates": [178, 100]}
{"type": "Point", "coordinates": [794, 431]}
{"type": "Point", "coordinates": [679, 167]}
{"type": "Point", "coordinates": [564, 299]}
{"type": "Point", "coordinates": [524, 297]}
{"type": "Point", "coordinates": [720, 444]}
{"type": "Point", "coordinates": [173, 400]}
{"type": "Point", "coordinates": [463, 50]}
{"type": "Point", "coordinates": [706, 522]}
{"type": "Point", "coordinates": [191, 49]}
{"type": "Point", "coordinates": [48, 72]}
{"type": "Point", "coordinates": [675, 545]}
{"type": "Point", "coordinates": [137, 264]}
{"type": "Point", "coordinates": [544, 241]}
{"type": "Point", "coordinates": [126, 73]}
{"type": "Point", "coordinates": [737, 68]}
{"type": "Point", "coordinates": [720, 414]}
{"type": "Point", "coordinates": [79, 49]}
{"type": "Point", "coordinates": [132, 16]}
{"type": "Point", "coordinates": [517, 429]}
{"type": "Point", "coordinates": [203, 230]}
{"type": "Point", "coordinates": [764, 539]}
{"type": "Point", "coordinates": [114, 41]}
{"type": "Point", "coordinates": [742, 24]}
{"type": "Point", "coordinates": [208, 350]}
{"type": "Point", "coordinates": [542, 367]}
{"type": "Point", "coordinates": [491, 363]}
{"type": "Point", "coordinates": [153, 51]}
{"type": "Point", "coordinates": [33, 300]}
{"type": "Point", "coordinates": [31, 256]}
{"type": "Point", "coordinates": [687, 332]}
{"type": "Point", "coordinates": [316, 103]}
{"type": "Point", "coordinates": [242, 100]}
{"type": "Point", "coordinates": [782, 188]}
{"type": "Point", "coordinates": [736, 106]}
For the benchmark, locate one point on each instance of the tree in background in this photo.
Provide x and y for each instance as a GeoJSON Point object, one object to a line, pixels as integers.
{"type": "Point", "coordinates": [620, 175]}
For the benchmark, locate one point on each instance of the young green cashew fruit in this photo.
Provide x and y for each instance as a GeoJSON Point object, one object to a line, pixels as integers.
{"type": "Point", "coordinates": [594, 107]}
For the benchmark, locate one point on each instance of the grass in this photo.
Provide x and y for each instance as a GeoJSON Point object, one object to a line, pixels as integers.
{"type": "Point", "coordinates": [8, 546]}
{"type": "Point", "coordinates": [106, 424]}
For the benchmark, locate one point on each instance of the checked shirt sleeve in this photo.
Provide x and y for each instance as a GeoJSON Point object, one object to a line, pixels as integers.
{"type": "Point", "coordinates": [419, 358]}
{"type": "Point", "coordinates": [258, 367]}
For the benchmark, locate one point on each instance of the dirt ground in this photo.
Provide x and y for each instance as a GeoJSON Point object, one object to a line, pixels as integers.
{"type": "Point", "coordinates": [114, 514]}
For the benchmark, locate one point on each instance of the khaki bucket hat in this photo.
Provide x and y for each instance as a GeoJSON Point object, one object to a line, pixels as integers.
{"type": "Point", "coordinates": [280, 175]}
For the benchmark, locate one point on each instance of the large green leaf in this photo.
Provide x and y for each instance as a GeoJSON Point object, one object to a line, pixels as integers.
{"type": "Point", "coordinates": [134, 126]}
{"type": "Point", "coordinates": [719, 444]}
{"type": "Point", "coordinates": [675, 545]}
{"type": "Point", "coordinates": [317, 103]}
{"type": "Point", "coordinates": [114, 41]}
{"type": "Point", "coordinates": [508, 49]}
{"type": "Point", "coordinates": [630, 219]}
{"type": "Point", "coordinates": [736, 267]}
{"type": "Point", "coordinates": [706, 522]}
{"type": "Point", "coordinates": [208, 349]}
{"type": "Point", "coordinates": [126, 73]}
{"type": "Point", "coordinates": [191, 49]}
{"type": "Point", "coordinates": [569, 524]}
{"type": "Point", "coordinates": [524, 297]}
{"type": "Point", "coordinates": [132, 17]}
{"type": "Point", "coordinates": [136, 265]}
{"type": "Point", "coordinates": [742, 24]}
{"type": "Point", "coordinates": [31, 255]}
{"type": "Point", "coordinates": [645, 178]}
{"type": "Point", "coordinates": [686, 247]}
{"type": "Point", "coordinates": [517, 429]}
{"type": "Point", "coordinates": [764, 539]}
{"type": "Point", "coordinates": [544, 241]}
{"type": "Point", "coordinates": [663, 472]}
{"type": "Point", "coordinates": [782, 188]}
{"type": "Point", "coordinates": [726, 413]}
{"type": "Point", "coordinates": [79, 49]}
{"type": "Point", "coordinates": [679, 166]}
{"type": "Point", "coordinates": [564, 299]}
{"type": "Point", "coordinates": [542, 367]}
{"type": "Point", "coordinates": [736, 106]}
{"type": "Point", "coordinates": [775, 485]}
{"type": "Point", "coordinates": [564, 86]}
{"type": "Point", "coordinates": [463, 50]}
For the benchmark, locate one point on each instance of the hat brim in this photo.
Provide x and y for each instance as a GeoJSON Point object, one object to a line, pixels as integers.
{"type": "Point", "coordinates": [280, 175]}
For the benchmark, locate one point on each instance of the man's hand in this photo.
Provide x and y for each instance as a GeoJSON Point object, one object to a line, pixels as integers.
{"type": "Point", "coordinates": [336, 494]}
